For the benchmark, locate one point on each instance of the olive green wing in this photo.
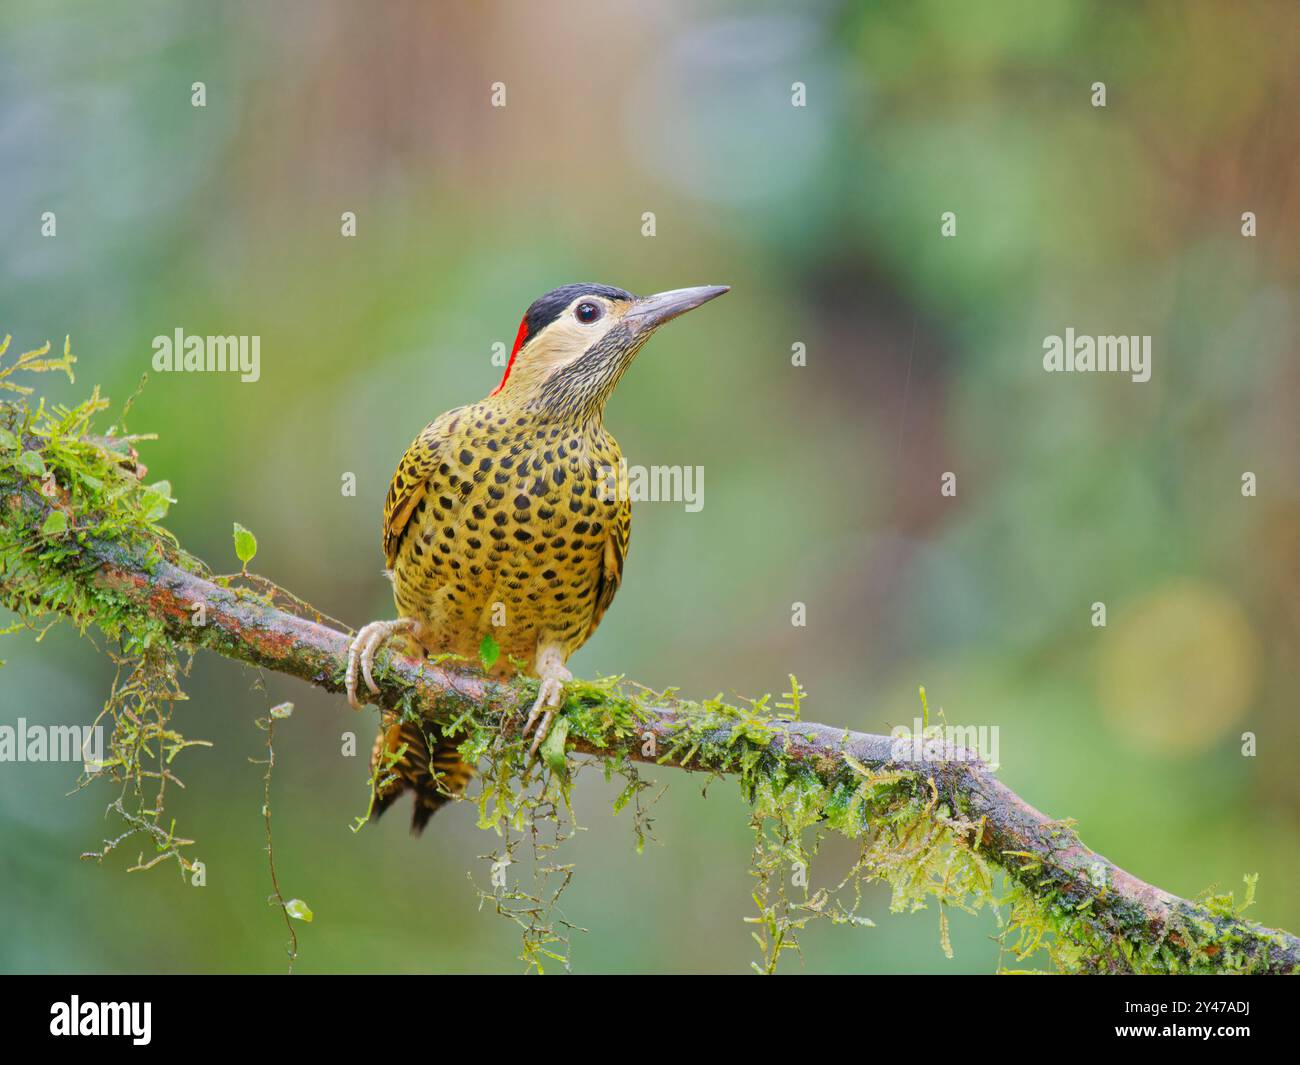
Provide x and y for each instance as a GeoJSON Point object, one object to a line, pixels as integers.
{"type": "Point", "coordinates": [410, 483]}
{"type": "Point", "coordinates": [610, 575]}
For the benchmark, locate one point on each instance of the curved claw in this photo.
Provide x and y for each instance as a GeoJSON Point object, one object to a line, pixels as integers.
{"type": "Point", "coordinates": [368, 661]}
{"type": "Point", "coordinates": [550, 695]}
{"type": "Point", "coordinates": [362, 651]}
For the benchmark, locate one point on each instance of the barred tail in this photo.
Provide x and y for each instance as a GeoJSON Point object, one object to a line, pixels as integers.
{"type": "Point", "coordinates": [433, 777]}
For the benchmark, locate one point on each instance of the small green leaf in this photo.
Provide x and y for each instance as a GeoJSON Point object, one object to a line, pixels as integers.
{"type": "Point", "coordinates": [158, 497]}
{"type": "Point", "coordinates": [283, 710]}
{"type": "Point", "coordinates": [164, 489]}
{"type": "Point", "coordinates": [553, 746]}
{"type": "Point", "coordinates": [55, 523]}
{"type": "Point", "coordinates": [31, 462]}
{"type": "Point", "coordinates": [8, 442]}
{"type": "Point", "coordinates": [298, 910]}
{"type": "Point", "coordinates": [245, 544]}
{"type": "Point", "coordinates": [489, 651]}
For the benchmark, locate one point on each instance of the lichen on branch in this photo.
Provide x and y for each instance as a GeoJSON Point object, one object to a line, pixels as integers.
{"type": "Point", "coordinates": [80, 539]}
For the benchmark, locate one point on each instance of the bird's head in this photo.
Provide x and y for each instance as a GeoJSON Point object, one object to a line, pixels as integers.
{"type": "Point", "coordinates": [575, 342]}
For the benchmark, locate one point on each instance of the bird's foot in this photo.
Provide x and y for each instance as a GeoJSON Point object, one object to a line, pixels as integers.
{"type": "Point", "coordinates": [366, 643]}
{"type": "Point", "coordinates": [550, 694]}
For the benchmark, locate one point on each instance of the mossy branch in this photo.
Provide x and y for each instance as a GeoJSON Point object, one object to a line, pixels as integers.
{"type": "Point", "coordinates": [1044, 855]}
{"type": "Point", "coordinates": [931, 828]}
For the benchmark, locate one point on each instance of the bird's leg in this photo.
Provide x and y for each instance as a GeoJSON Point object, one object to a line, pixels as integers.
{"type": "Point", "coordinates": [550, 693]}
{"type": "Point", "coordinates": [367, 642]}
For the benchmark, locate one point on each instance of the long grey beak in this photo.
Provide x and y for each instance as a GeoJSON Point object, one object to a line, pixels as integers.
{"type": "Point", "coordinates": [650, 312]}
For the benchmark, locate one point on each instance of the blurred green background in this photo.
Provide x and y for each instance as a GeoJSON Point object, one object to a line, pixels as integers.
{"type": "Point", "coordinates": [822, 482]}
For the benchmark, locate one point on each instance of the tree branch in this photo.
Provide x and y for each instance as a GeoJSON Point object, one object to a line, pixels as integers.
{"type": "Point", "coordinates": [1044, 856]}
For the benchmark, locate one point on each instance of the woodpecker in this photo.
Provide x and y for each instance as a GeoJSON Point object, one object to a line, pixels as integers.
{"type": "Point", "coordinates": [499, 522]}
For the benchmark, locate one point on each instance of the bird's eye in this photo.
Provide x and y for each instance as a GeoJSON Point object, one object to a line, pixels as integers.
{"type": "Point", "coordinates": [587, 313]}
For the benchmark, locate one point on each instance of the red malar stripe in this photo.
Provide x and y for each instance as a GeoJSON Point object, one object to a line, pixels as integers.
{"type": "Point", "coordinates": [520, 337]}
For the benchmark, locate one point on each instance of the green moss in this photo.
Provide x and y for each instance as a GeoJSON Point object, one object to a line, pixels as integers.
{"type": "Point", "coordinates": [930, 855]}
{"type": "Point", "coordinates": [76, 487]}
{"type": "Point", "coordinates": [86, 488]}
